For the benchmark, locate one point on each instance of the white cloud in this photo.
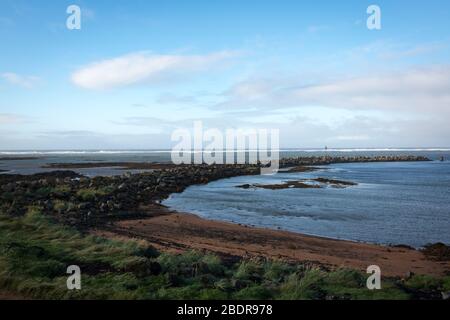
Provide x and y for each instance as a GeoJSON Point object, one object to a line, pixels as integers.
{"type": "Point", "coordinates": [9, 118]}
{"type": "Point", "coordinates": [144, 67]}
{"type": "Point", "coordinates": [415, 90]}
{"type": "Point", "coordinates": [251, 90]}
{"type": "Point", "coordinates": [20, 80]}
{"type": "Point", "coordinates": [396, 52]}
{"type": "Point", "coordinates": [361, 137]}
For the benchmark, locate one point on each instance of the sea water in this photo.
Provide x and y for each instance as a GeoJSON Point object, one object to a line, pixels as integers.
{"type": "Point", "coordinates": [392, 203]}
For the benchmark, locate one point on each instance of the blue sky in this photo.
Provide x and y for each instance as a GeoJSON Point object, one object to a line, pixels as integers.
{"type": "Point", "coordinates": [137, 70]}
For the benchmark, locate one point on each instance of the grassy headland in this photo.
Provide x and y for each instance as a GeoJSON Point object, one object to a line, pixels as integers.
{"type": "Point", "coordinates": [45, 224]}
{"type": "Point", "coordinates": [35, 252]}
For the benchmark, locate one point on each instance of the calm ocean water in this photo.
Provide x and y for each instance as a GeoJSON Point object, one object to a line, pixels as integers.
{"type": "Point", "coordinates": [393, 203]}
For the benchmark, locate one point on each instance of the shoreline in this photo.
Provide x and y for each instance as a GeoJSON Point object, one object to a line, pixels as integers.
{"type": "Point", "coordinates": [178, 232]}
{"type": "Point", "coordinates": [128, 205]}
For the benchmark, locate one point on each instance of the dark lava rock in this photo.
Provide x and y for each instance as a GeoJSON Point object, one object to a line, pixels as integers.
{"type": "Point", "coordinates": [335, 182]}
{"type": "Point", "coordinates": [61, 174]}
{"type": "Point", "coordinates": [69, 197]}
{"type": "Point", "coordinates": [280, 186]}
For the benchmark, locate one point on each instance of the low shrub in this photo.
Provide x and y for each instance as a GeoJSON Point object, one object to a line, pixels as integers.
{"type": "Point", "coordinates": [35, 253]}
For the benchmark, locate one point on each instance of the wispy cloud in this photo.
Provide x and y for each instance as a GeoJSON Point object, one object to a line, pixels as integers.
{"type": "Point", "coordinates": [10, 118]}
{"type": "Point", "coordinates": [317, 28]}
{"type": "Point", "coordinates": [383, 50]}
{"type": "Point", "coordinates": [24, 81]}
{"type": "Point", "coordinates": [170, 98]}
{"type": "Point", "coordinates": [422, 89]}
{"type": "Point", "coordinates": [396, 52]}
{"type": "Point", "coordinates": [77, 140]}
{"type": "Point", "coordinates": [414, 90]}
{"type": "Point", "coordinates": [142, 67]}
{"type": "Point", "coordinates": [69, 133]}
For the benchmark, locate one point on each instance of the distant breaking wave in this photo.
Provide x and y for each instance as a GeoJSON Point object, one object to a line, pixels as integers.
{"type": "Point", "coordinates": [69, 152]}
{"type": "Point", "coordinates": [76, 152]}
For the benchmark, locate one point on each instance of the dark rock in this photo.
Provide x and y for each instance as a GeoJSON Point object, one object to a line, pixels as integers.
{"type": "Point", "coordinates": [126, 194]}
{"type": "Point", "coordinates": [148, 252]}
{"type": "Point", "coordinates": [238, 284]}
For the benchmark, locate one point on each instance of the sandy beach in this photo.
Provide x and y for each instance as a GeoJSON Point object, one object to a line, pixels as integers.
{"type": "Point", "coordinates": [177, 232]}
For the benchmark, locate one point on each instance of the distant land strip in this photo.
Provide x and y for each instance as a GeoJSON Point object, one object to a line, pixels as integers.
{"type": "Point", "coordinates": [284, 162]}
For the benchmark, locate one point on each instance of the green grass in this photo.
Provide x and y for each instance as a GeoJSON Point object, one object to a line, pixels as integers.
{"type": "Point", "coordinates": [90, 194]}
{"type": "Point", "coordinates": [424, 282]}
{"type": "Point", "coordinates": [35, 253]}
{"type": "Point", "coordinates": [61, 206]}
{"type": "Point", "coordinates": [61, 190]}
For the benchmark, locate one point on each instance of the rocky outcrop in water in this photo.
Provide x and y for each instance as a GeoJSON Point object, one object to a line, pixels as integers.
{"type": "Point", "coordinates": [77, 199]}
{"type": "Point", "coordinates": [301, 184]}
{"type": "Point", "coordinates": [324, 160]}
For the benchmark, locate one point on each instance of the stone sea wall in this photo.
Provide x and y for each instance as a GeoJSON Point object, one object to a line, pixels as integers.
{"type": "Point", "coordinates": [80, 200]}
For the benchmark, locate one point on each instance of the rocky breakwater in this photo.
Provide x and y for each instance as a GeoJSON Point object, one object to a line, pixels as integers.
{"type": "Point", "coordinates": [79, 200]}
{"type": "Point", "coordinates": [325, 160]}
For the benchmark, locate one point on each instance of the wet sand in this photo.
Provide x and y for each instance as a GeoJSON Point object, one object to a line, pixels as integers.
{"type": "Point", "coordinates": [177, 232]}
